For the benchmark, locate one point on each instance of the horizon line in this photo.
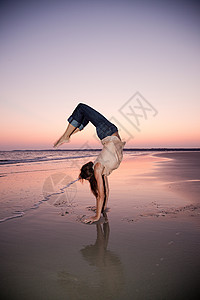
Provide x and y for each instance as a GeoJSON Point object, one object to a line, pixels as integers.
{"type": "Point", "coordinates": [125, 149]}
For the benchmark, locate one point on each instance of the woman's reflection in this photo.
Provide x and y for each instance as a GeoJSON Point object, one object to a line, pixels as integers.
{"type": "Point", "coordinates": [106, 281]}
{"type": "Point", "coordinates": [109, 266]}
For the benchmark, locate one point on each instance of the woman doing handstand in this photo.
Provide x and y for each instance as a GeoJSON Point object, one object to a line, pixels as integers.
{"type": "Point", "coordinates": [109, 158]}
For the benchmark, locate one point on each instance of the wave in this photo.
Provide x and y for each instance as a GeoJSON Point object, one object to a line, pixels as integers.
{"type": "Point", "coordinates": [39, 159]}
{"type": "Point", "coordinates": [18, 214]}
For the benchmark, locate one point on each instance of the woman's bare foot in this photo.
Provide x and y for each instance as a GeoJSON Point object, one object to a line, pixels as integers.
{"type": "Point", "coordinates": [63, 139]}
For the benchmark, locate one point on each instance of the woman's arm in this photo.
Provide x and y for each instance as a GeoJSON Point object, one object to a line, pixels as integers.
{"type": "Point", "coordinates": [98, 169]}
{"type": "Point", "coordinates": [106, 192]}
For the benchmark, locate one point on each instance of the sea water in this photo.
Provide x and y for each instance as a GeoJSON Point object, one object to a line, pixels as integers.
{"type": "Point", "coordinates": [29, 178]}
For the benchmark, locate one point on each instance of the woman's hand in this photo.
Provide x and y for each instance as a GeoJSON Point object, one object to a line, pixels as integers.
{"type": "Point", "coordinates": [91, 220]}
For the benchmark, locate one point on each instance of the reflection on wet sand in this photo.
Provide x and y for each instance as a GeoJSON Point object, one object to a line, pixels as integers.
{"type": "Point", "coordinates": [108, 269]}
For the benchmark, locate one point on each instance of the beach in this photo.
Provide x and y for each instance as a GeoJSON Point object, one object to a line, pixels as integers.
{"type": "Point", "coordinates": [146, 246]}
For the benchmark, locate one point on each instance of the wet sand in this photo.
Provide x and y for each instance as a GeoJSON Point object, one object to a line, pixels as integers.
{"type": "Point", "coordinates": [182, 174]}
{"type": "Point", "coordinates": [148, 248]}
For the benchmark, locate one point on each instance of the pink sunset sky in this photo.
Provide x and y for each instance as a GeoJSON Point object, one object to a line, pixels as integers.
{"type": "Point", "coordinates": [55, 54]}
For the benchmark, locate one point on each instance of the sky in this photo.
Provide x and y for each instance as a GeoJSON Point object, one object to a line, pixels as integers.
{"type": "Point", "coordinates": [136, 62]}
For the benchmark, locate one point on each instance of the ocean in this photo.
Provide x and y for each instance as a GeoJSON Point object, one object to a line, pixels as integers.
{"type": "Point", "coordinates": [25, 177]}
{"type": "Point", "coordinates": [30, 177]}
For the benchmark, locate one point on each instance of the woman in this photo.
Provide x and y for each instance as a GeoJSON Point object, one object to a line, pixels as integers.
{"type": "Point", "coordinates": [109, 158]}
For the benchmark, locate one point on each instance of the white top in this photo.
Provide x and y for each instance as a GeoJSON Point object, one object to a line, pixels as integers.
{"type": "Point", "coordinates": [111, 155]}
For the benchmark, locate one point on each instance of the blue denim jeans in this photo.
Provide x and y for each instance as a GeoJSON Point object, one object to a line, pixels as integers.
{"type": "Point", "coordinates": [83, 114]}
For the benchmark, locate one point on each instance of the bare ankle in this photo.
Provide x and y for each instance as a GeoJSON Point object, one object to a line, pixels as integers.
{"type": "Point", "coordinates": [66, 136]}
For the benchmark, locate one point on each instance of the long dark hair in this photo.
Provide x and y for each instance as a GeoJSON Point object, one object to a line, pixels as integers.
{"type": "Point", "coordinates": [87, 171]}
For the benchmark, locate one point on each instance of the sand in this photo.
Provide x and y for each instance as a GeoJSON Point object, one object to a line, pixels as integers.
{"type": "Point", "coordinates": [147, 249]}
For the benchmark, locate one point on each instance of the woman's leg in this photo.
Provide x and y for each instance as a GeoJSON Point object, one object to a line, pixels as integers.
{"type": "Point", "coordinates": [77, 121]}
{"type": "Point", "coordinates": [84, 114]}
{"type": "Point", "coordinates": [81, 116]}
{"type": "Point", "coordinates": [75, 131]}
{"type": "Point", "coordinates": [65, 137]}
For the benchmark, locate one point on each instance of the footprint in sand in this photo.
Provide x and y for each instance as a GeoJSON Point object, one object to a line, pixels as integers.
{"type": "Point", "coordinates": [171, 243]}
{"type": "Point", "coordinates": [92, 208]}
